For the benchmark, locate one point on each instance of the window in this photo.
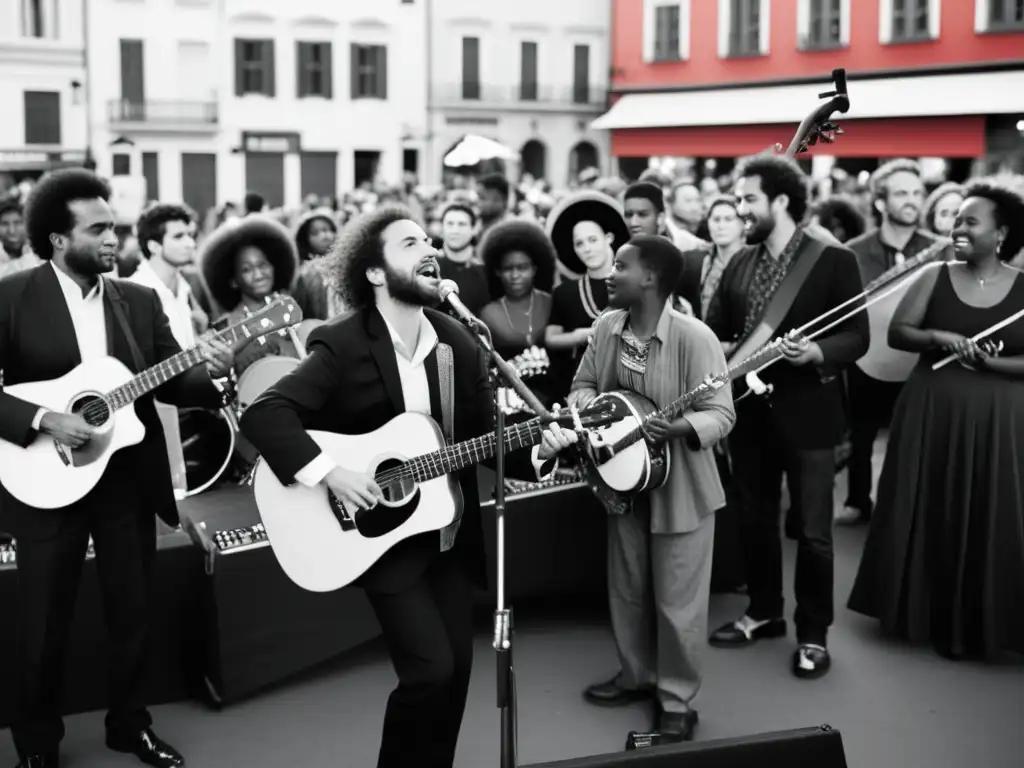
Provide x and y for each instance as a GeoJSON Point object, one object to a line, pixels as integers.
{"type": "Point", "coordinates": [1005, 15]}
{"type": "Point", "coordinates": [581, 75]}
{"type": "Point", "coordinates": [910, 20]}
{"type": "Point", "coordinates": [313, 67]}
{"type": "Point", "coordinates": [666, 33]}
{"type": "Point", "coordinates": [365, 164]}
{"type": "Point", "coordinates": [745, 28]}
{"type": "Point", "coordinates": [122, 164]}
{"type": "Point", "coordinates": [825, 24]}
{"type": "Point", "coordinates": [133, 88]}
{"type": "Point", "coordinates": [369, 71]}
{"type": "Point", "coordinates": [528, 74]}
{"type": "Point", "coordinates": [32, 18]}
{"type": "Point", "coordinates": [42, 117]}
{"type": "Point", "coordinates": [254, 67]}
{"type": "Point", "coordinates": [471, 68]}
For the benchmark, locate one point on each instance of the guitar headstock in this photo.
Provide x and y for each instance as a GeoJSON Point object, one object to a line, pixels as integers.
{"type": "Point", "coordinates": [281, 313]}
{"type": "Point", "coordinates": [818, 125]}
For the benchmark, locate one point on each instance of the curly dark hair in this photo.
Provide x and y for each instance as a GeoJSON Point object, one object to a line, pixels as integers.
{"type": "Point", "coordinates": [518, 235]}
{"type": "Point", "coordinates": [47, 212]}
{"type": "Point", "coordinates": [646, 190]}
{"type": "Point", "coordinates": [359, 248]}
{"type": "Point", "coordinates": [840, 210]}
{"type": "Point", "coordinates": [495, 182]}
{"type": "Point", "coordinates": [779, 176]}
{"type": "Point", "coordinates": [152, 224]}
{"type": "Point", "coordinates": [451, 207]}
{"type": "Point", "coordinates": [1009, 213]}
{"type": "Point", "coordinates": [11, 204]}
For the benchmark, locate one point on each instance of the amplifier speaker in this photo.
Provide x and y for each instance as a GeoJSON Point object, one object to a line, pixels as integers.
{"type": "Point", "coordinates": [820, 747]}
{"type": "Point", "coordinates": [261, 628]}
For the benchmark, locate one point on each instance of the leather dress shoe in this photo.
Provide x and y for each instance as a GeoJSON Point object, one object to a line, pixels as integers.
{"type": "Point", "coordinates": [736, 634]}
{"type": "Point", "coordinates": [678, 726]}
{"type": "Point", "coordinates": [811, 661]}
{"type": "Point", "coordinates": [149, 748]}
{"type": "Point", "coordinates": [39, 761]}
{"type": "Point", "coordinates": [610, 694]}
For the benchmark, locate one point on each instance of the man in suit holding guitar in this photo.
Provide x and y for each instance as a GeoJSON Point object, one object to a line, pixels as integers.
{"type": "Point", "coordinates": [363, 369]}
{"type": "Point", "coordinates": [54, 317]}
{"type": "Point", "coordinates": [782, 280]}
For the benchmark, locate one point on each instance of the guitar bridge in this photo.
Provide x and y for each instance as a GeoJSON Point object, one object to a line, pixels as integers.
{"type": "Point", "coordinates": [345, 520]}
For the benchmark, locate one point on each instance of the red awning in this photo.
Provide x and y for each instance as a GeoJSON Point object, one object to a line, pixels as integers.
{"type": "Point", "coordinates": [949, 137]}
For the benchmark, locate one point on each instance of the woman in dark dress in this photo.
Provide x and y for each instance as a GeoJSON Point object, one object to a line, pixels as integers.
{"type": "Point", "coordinates": [586, 230]}
{"type": "Point", "coordinates": [520, 264]}
{"type": "Point", "coordinates": [944, 559]}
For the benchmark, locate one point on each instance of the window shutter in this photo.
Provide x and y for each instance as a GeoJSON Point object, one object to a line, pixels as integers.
{"type": "Point", "coordinates": [382, 71]}
{"type": "Point", "coordinates": [239, 76]}
{"type": "Point", "coordinates": [327, 62]}
{"type": "Point", "coordinates": [301, 69]}
{"type": "Point", "coordinates": [268, 68]}
{"type": "Point", "coordinates": [354, 70]}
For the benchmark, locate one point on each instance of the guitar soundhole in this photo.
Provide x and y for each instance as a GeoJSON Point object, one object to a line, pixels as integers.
{"type": "Point", "coordinates": [401, 498]}
{"type": "Point", "coordinates": [93, 409]}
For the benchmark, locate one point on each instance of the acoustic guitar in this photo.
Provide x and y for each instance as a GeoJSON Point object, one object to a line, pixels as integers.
{"type": "Point", "coordinates": [49, 475]}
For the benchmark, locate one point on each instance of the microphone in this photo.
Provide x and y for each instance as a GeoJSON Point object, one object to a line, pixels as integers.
{"type": "Point", "coordinates": [449, 291]}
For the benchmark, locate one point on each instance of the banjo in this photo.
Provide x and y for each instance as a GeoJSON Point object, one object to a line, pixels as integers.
{"type": "Point", "coordinates": [618, 461]}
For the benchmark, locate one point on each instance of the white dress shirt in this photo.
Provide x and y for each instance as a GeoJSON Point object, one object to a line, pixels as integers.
{"type": "Point", "coordinates": [88, 319]}
{"type": "Point", "coordinates": [177, 303]}
{"type": "Point", "coordinates": [412, 372]}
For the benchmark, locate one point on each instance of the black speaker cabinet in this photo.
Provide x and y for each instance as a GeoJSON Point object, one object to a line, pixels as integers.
{"type": "Point", "coordinates": [820, 747]}
{"type": "Point", "coordinates": [261, 628]}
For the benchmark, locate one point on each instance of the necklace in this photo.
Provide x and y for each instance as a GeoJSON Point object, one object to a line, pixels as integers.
{"type": "Point", "coordinates": [587, 298]}
{"type": "Point", "coordinates": [529, 318]}
{"type": "Point", "coordinates": [983, 280]}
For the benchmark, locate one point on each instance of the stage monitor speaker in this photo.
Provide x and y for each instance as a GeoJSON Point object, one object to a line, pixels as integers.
{"type": "Point", "coordinates": [261, 628]}
{"type": "Point", "coordinates": [820, 747]}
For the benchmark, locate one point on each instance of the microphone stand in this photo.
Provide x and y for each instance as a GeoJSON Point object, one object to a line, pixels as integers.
{"type": "Point", "coordinates": [503, 628]}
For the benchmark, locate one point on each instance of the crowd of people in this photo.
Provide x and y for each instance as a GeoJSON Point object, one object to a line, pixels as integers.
{"type": "Point", "coordinates": [651, 288]}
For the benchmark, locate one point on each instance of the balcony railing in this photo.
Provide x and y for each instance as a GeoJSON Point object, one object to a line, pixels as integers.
{"type": "Point", "coordinates": [523, 96]}
{"type": "Point", "coordinates": [159, 113]}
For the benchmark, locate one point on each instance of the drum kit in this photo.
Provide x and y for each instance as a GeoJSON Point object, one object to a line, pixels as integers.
{"type": "Point", "coordinates": [211, 442]}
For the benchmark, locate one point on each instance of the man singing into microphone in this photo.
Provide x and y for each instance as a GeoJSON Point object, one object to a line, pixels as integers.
{"type": "Point", "coordinates": [363, 369]}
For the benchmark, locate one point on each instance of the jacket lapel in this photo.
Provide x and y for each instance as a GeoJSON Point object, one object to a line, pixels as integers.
{"type": "Point", "coordinates": [383, 350]}
{"type": "Point", "coordinates": [434, 385]}
{"type": "Point", "coordinates": [117, 344]}
{"type": "Point", "coordinates": [60, 327]}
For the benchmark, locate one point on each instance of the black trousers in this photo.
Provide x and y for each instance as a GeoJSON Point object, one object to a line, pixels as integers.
{"type": "Point", "coordinates": [871, 405]}
{"type": "Point", "coordinates": [759, 457]}
{"type": "Point", "coordinates": [428, 629]}
{"type": "Point", "coordinates": [51, 550]}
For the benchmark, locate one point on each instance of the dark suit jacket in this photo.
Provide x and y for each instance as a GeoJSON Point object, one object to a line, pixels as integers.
{"type": "Point", "coordinates": [349, 384]}
{"type": "Point", "coordinates": [690, 280]}
{"type": "Point", "coordinates": [38, 343]}
{"type": "Point", "coordinates": [872, 259]}
{"type": "Point", "coordinates": [807, 402]}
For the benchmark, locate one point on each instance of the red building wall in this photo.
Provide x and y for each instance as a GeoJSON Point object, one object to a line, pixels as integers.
{"type": "Point", "coordinates": [958, 43]}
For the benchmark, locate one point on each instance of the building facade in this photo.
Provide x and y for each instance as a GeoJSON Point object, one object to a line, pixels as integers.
{"type": "Point", "coordinates": [208, 99]}
{"type": "Point", "coordinates": [529, 74]}
{"type": "Point", "coordinates": [726, 78]}
{"type": "Point", "coordinates": [42, 88]}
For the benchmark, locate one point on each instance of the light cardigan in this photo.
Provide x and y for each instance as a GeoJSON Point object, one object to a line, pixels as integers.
{"type": "Point", "coordinates": [683, 353]}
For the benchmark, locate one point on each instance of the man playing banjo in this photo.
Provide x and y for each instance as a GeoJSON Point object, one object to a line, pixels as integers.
{"type": "Point", "coordinates": [659, 554]}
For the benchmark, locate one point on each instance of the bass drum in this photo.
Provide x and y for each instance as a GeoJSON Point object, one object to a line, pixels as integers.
{"type": "Point", "coordinates": [207, 446]}
{"type": "Point", "coordinates": [256, 380]}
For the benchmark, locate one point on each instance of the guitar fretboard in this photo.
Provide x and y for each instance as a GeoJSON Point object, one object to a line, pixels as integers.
{"type": "Point", "coordinates": [165, 370]}
{"type": "Point", "coordinates": [461, 455]}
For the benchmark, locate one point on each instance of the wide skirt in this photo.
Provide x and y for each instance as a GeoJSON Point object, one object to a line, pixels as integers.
{"type": "Point", "coordinates": [944, 557]}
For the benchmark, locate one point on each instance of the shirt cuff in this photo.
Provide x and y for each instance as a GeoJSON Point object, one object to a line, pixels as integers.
{"type": "Point", "coordinates": [545, 468]}
{"type": "Point", "coordinates": [313, 473]}
{"type": "Point", "coordinates": [38, 420]}
{"type": "Point", "coordinates": [704, 433]}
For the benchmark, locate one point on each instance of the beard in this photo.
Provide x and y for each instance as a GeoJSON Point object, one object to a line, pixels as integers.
{"type": "Point", "coordinates": [905, 216]}
{"type": "Point", "coordinates": [87, 262]}
{"type": "Point", "coordinates": [406, 290]}
{"type": "Point", "coordinates": [761, 229]}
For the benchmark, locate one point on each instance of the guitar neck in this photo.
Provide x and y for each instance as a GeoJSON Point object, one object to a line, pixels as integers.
{"type": "Point", "coordinates": [907, 266]}
{"type": "Point", "coordinates": [453, 458]}
{"type": "Point", "coordinates": [165, 370]}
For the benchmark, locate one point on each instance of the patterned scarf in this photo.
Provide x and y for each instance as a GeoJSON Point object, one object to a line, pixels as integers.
{"type": "Point", "coordinates": [768, 276]}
